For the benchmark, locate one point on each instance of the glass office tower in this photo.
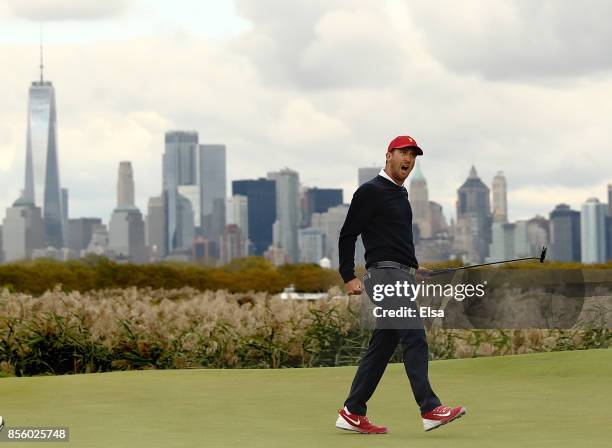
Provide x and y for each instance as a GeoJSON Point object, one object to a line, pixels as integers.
{"type": "Point", "coordinates": [179, 168]}
{"type": "Point", "coordinates": [42, 164]}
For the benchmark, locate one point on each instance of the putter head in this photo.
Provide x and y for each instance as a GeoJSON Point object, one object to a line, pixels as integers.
{"type": "Point", "coordinates": [543, 254]}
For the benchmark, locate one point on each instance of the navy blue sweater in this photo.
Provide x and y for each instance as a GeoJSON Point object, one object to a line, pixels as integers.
{"type": "Point", "coordinates": [381, 213]}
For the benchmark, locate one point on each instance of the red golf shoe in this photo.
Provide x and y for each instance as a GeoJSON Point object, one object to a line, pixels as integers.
{"type": "Point", "coordinates": [441, 416]}
{"type": "Point", "coordinates": [357, 423]}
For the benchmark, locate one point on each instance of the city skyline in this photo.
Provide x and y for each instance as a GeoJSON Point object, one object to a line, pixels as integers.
{"type": "Point", "coordinates": [284, 103]}
{"type": "Point", "coordinates": [28, 193]}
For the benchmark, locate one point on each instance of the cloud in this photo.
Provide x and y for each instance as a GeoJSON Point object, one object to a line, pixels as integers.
{"type": "Point", "coordinates": [275, 41]}
{"type": "Point", "coordinates": [519, 40]}
{"type": "Point", "coordinates": [342, 44]}
{"type": "Point", "coordinates": [320, 87]}
{"type": "Point", "coordinates": [314, 44]}
{"type": "Point", "coordinates": [299, 123]}
{"type": "Point", "coordinates": [342, 39]}
{"type": "Point", "coordinates": [59, 10]}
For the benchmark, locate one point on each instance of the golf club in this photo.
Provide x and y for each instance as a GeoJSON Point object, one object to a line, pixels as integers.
{"type": "Point", "coordinates": [445, 271]}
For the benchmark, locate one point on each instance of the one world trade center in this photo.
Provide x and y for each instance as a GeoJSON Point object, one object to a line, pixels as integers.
{"type": "Point", "coordinates": [42, 167]}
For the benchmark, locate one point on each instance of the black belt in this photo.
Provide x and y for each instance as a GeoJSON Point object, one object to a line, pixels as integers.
{"type": "Point", "coordinates": [394, 265]}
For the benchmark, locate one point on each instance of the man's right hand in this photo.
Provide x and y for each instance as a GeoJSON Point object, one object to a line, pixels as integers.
{"type": "Point", "coordinates": [354, 287]}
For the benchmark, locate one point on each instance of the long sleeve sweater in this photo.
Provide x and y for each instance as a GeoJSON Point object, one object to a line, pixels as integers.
{"type": "Point", "coordinates": [381, 213]}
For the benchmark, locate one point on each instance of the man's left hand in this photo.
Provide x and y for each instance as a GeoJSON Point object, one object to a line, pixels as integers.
{"type": "Point", "coordinates": [422, 274]}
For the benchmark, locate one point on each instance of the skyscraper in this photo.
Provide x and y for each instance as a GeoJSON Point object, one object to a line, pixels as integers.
{"type": "Point", "coordinates": [500, 202]}
{"type": "Point", "coordinates": [155, 227]}
{"type": "Point", "coordinates": [213, 190]}
{"type": "Point", "coordinates": [65, 217]}
{"type": "Point", "coordinates": [125, 185]}
{"type": "Point", "coordinates": [193, 194]}
{"type": "Point", "coordinates": [237, 213]}
{"type": "Point", "coordinates": [319, 200]}
{"type": "Point", "coordinates": [329, 224]}
{"type": "Point", "coordinates": [126, 230]}
{"type": "Point", "coordinates": [430, 231]}
{"type": "Point", "coordinates": [42, 164]}
{"type": "Point", "coordinates": [22, 230]}
{"type": "Point", "coordinates": [502, 245]}
{"type": "Point", "coordinates": [81, 231]}
{"type": "Point", "coordinates": [181, 158]}
{"type": "Point", "coordinates": [419, 202]}
{"type": "Point", "coordinates": [232, 243]}
{"type": "Point", "coordinates": [593, 231]}
{"type": "Point", "coordinates": [261, 199]}
{"type": "Point", "coordinates": [564, 234]}
{"type": "Point", "coordinates": [288, 213]}
{"type": "Point", "coordinates": [538, 234]}
{"type": "Point", "coordinates": [184, 232]}
{"type": "Point", "coordinates": [180, 167]}
{"type": "Point", "coordinates": [473, 228]}
{"type": "Point", "coordinates": [609, 238]}
{"type": "Point", "coordinates": [521, 242]}
{"type": "Point", "coordinates": [312, 245]}
{"type": "Point", "coordinates": [99, 245]}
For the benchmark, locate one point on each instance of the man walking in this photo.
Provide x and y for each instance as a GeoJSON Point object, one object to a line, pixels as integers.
{"type": "Point", "coordinates": [380, 212]}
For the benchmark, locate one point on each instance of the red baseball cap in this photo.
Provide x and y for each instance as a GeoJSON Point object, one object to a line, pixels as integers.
{"type": "Point", "coordinates": [404, 141]}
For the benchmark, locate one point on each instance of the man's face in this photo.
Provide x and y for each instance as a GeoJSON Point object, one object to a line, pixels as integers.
{"type": "Point", "coordinates": [400, 163]}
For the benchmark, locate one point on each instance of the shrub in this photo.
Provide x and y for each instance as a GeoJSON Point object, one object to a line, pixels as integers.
{"type": "Point", "coordinates": [241, 275]}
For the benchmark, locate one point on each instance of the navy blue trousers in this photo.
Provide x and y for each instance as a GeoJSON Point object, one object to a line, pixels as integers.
{"type": "Point", "coordinates": [415, 353]}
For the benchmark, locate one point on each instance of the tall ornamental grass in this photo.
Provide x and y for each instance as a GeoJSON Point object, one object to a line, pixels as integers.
{"type": "Point", "coordinates": [62, 332]}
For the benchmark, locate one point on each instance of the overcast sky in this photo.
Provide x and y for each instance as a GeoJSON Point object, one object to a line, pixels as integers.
{"type": "Point", "coordinates": [319, 86]}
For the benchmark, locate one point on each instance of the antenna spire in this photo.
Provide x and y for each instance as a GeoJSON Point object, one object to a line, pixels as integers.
{"type": "Point", "coordinates": [41, 56]}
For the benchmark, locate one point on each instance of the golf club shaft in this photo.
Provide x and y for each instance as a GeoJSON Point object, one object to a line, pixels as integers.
{"type": "Point", "coordinates": [444, 271]}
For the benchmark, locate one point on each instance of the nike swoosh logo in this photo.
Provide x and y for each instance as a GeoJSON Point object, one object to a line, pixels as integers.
{"type": "Point", "coordinates": [446, 414]}
{"type": "Point", "coordinates": [347, 418]}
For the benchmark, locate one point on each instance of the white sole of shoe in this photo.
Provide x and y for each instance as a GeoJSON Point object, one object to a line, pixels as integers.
{"type": "Point", "coordinates": [343, 424]}
{"type": "Point", "coordinates": [429, 425]}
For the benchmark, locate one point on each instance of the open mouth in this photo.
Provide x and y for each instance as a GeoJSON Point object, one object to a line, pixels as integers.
{"type": "Point", "coordinates": [405, 168]}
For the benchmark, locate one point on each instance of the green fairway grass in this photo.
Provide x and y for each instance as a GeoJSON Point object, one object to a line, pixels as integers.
{"type": "Point", "coordinates": [561, 399]}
